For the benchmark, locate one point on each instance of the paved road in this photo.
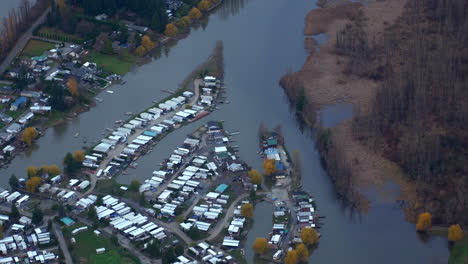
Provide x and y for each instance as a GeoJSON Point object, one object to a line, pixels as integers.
{"type": "Point", "coordinates": [63, 244]}
{"type": "Point", "coordinates": [21, 42]}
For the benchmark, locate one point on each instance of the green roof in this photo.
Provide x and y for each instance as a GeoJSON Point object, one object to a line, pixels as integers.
{"type": "Point", "coordinates": [221, 188]}
{"type": "Point", "coordinates": [272, 141]}
{"type": "Point", "coordinates": [67, 221]}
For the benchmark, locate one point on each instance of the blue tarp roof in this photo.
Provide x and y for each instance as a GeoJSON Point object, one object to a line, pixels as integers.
{"type": "Point", "coordinates": [67, 221]}
{"type": "Point", "coordinates": [279, 165]}
{"type": "Point", "coordinates": [150, 133]}
{"type": "Point", "coordinates": [271, 151]}
{"type": "Point", "coordinates": [20, 101]}
{"type": "Point", "coordinates": [221, 188]}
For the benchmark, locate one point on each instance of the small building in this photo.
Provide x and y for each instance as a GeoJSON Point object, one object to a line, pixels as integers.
{"type": "Point", "coordinates": [14, 128]}
{"type": "Point", "coordinates": [20, 102]}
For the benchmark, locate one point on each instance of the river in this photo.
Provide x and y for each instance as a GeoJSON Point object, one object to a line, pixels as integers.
{"type": "Point", "coordinates": [262, 40]}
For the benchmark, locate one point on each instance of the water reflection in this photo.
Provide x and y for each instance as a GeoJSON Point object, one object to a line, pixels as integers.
{"type": "Point", "coordinates": [231, 8]}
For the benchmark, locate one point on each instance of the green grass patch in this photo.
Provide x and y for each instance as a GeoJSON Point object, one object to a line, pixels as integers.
{"type": "Point", "coordinates": [15, 114]}
{"type": "Point", "coordinates": [36, 48]}
{"type": "Point", "coordinates": [84, 251]}
{"type": "Point", "coordinates": [238, 255]}
{"type": "Point", "coordinates": [459, 254]}
{"type": "Point", "coordinates": [112, 187]}
{"type": "Point", "coordinates": [119, 64]}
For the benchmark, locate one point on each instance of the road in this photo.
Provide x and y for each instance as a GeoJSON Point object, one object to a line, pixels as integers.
{"type": "Point", "coordinates": [63, 244]}
{"type": "Point", "coordinates": [21, 42]}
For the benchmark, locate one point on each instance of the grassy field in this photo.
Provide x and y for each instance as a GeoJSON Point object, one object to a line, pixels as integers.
{"type": "Point", "coordinates": [459, 253]}
{"type": "Point", "coordinates": [119, 64]}
{"type": "Point", "coordinates": [84, 251]}
{"type": "Point", "coordinates": [36, 48]}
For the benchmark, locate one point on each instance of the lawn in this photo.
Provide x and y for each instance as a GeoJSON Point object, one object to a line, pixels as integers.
{"type": "Point", "coordinates": [459, 253]}
{"type": "Point", "coordinates": [36, 48]}
{"type": "Point", "coordinates": [119, 64]}
{"type": "Point", "coordinates": [84, 251]}
{"type": "Point", "coordinates": [15, 114]}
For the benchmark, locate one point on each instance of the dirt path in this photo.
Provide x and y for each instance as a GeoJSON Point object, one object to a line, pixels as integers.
{"type": "Point", "coordinates": [63, 244]}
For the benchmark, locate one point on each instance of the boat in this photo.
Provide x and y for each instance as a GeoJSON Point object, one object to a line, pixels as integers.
{"type": "Point", "coordinates": [129, 113]}
{"type": "Point", "coordinates": [109, 91]}
{"type": "Point", "coordinates": [99, 100]}
{"type": "Point", "coordinates": [77, 134]}
{"type": "Point", "coordinates": [110, 129]}
{"type": "Point", "coordinates": [118, 121]}
{"type": "Point", "coordinates": [234, 133]}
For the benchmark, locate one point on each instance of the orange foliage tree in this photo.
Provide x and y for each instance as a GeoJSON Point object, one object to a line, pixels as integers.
{"type": "Point", "coordinates": [52, 170]}
{"type": "Point", "coordinates": [32, 171]}
{"type": "Point", "coordinates": [291, 257]}
{"type": "Point", "coordinates": [255, 177]}
{"type": "Point", "coordinates": [72, 85]}
{"type": "Point", "coordinates": [33, 183]}
{"type": "Point", "coordinates": [269, 167]}
{"type": "Point", "coordinates": [140, 51]}
{"type": "Point", "coordinates": [204, 5]}
{"type": "Point", "coordinates": [260, 245]}
{"type": "Point", "coordinates": [79, 156]}
{"type": "Point", "coordinates": [309, 236]}
{"type": "Point", "coordinates": [186, 20]}
{"type": "Point", "coordinates": [247, 210]}
{"type": "Point", "coordinates": [171, 30]}
{"type": "Point", "coordinates": [424, 221]}
{"type": "Point", "coordinates": [195, 13]}
{"type": "Point", "coordinates": [29, 135]}
{"type": "Point", "coordinates": [455, 233]}
{"type": "Point", "coordinates": [302, 252]}
{"type": "Point", "coordinates": [147, 43]}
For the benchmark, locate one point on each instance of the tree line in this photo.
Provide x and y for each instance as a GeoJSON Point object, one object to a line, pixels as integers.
{"type": "Point", "coordinates": [419, 117]}
{"type": "Point", "coordinates": [18, 21]}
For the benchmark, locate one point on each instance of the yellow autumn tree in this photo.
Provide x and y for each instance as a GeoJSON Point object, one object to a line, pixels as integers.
{"type": "Point", "coordinates": [79, 156]}
{"type": "Point", "coordinates": [52, 170]}
{"type": "Point", "coordinates": [204, 5]}
{"type": "Point", "coordinates": [187, 20]}
{"type": "Point", "coordinates": [140, 51]}
{"type": "Point", "coordinates": [255, 177]}
{"type": "Point", "coordinates": [72, 85]}
{"type": "Point", "coordinates": [147, 43]}
{"type": "Point", "coordinates": [32, 171]}
{"type": "Point", "coordinates": [171, 30]}
{"type": "Point", "coordinates": [260, 245]}
{"type": "Point", "coordinates": [309, 236]}
{"type": "Point", "coordinates": [424, 221]}
{"type": "Point", "coordinates": [291, 257]}
{"type": "Point", "coordinates": [302, 252]}
{"type": "Point", "coordinates": [61, 5]}
{"type": "Point", "coordinates": [269, 167]}
{"type": "Point", "coordinates": [247, 210]}
{"type": "Point", "coordinates": [195, 13]}
{"type": "Point", "coordinates": [29, 135]}
{"type": "Point", "coordinates": [33, 183]}
{"type": "Point", "coordinates": [455, 233]}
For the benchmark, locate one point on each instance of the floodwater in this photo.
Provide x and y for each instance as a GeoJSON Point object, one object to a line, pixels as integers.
{"type": "Point", "coordinates": [333, 115]}
{"type": "Point", "coordinates": [262, 226]}
{"type": "Point", "coordinates": [262, 40]}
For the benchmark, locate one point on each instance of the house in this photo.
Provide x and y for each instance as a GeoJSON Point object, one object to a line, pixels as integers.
{"type": "Point", "coordinates": [4, 99]}
{"type": "Point", "coordinates": [101, 17]}
{"type": "Point", "coordinates": [18, 103]}
{"type": "Point", "coordinates": [140, 29]}
{"type": "Point", "coordinates": [31, 94]}
{"type": "Point", "coordinates": [24, 119]}
{"type": "Point", "coordinates": [5, 118]}
{"type": "Point", "coordinates": [14, 128]}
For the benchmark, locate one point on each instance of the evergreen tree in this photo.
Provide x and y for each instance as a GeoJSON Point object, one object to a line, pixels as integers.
{"type": "Point", "coordinates": [14, 214]}
{"type": "Point", "coordinates": [13, 181]}
{"type": "Point", "coordinates": [37, 216]}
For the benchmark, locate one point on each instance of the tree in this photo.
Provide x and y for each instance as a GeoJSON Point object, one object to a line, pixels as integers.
{"type": "Point", "coordinates": [32, 171]}
{"type": "Point", "coordinates": [260, 245]}
{"type": "Point", "coordinates": [291, 257]}
{"type": "Point", "coordinates": [36, 216]}
{"type": "Point", "coordinates": [79, 156]}
{"type": "Point", "coordinates": [33, 183]}
{"type": "Point", "coordinates": [195, 13]}
{"type": "Point", "coordinates": [1, 231]}
{"type": "Point", "coordinates": [99, 200]}
{"type": "Point", "coordinates": [14, 214]}
{"type": "Point", "coordinates": [424, 221]}
{"type": "Point", "coordinates": [92, 213]}
{"type": "Point", "coordinates": [70, 164]}
{"type": "Point", "coordinates": [302, 252]}
{"type": "Point", "coordinates": [134, 186]}
{"type": "Point", "coordinates": [171, 30]}
{"type": "Point", "coordinates": [204, 5]}
{"type": "Point", "coordinates": [108, 49]}
{"type": "Point", "coordinates": [255, 177]}
{"type": "Point", "coordinates": [186, 20]}
{"type": "Point", "coordinates": [53, 170]}
{"type": "Point", "coordinates": [247, 210]}
{"type": "Point", "coordinates": [154, 248]}
{"type": "Point", "coordinates": [140, 51]}
{"type": "Point", "coordinates": [147, 43]}
{"type": "Point", "coordinates": [84, 28]}
{"type": "Point", "coordinates": [455, 233]}
{"type": "Point", "coordinates": [29, 135]}
{"type": "Point", "coordinates": [309, 236]}
{"type": "Point", "coordinates": [269, 167]}
{"type": "Point", "coordinates": [72, 85]}
{"type": "Point", "coordinates": [13, 181]}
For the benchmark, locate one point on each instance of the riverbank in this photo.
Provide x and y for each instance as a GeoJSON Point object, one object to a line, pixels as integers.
{"type": "Point", "coordinates": [325, 80]}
